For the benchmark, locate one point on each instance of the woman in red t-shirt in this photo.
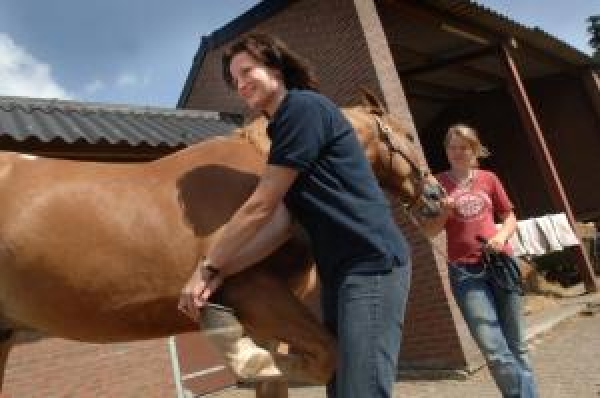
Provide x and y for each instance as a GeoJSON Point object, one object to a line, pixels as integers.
{"type": "Point", "coordinates": [493, 314]}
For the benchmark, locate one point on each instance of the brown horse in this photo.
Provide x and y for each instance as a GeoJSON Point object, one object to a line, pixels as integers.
{"type": "Point", "coordinates": [100, 252]}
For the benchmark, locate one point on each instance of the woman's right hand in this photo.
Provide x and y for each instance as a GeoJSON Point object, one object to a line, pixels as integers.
{"type": "Point", "coordinates": [197, 290]}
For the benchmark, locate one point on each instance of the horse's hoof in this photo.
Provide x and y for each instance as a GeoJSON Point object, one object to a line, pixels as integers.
{"type": "Point", "coordinates": [248, 361]}
{"type": "Point", "coordinates": [251, 363]}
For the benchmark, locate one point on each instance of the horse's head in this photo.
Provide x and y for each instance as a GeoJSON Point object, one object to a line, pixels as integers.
{"type": "Point", "coordinates": [394, 154]}
{"type": "Point", "coordinates": [391, 149]}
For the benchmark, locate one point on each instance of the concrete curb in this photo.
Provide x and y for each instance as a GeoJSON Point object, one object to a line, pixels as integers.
{"type": "Point", "coordinates": [541, 323]}
{"type": "Point", "coordinates": [537, 325]}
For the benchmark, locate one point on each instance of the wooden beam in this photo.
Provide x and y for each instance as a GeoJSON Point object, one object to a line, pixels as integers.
{"type": "Point", "coordinates": [419, 11]}
{"type": "Point", "coordinates": [547, 58]}
{"type": "Point", "coordinates": [466, 70]}
{"type": "Point", "coordinates": [544, 160]}
{"type": "Point", "coordinates": [435, 88]}
{"type": "Point", "coordinates": [427, 13]}
{"type": "Point", "coordinates": [418, 95]}
{"type": "Point", "coordinates": [450, 60]}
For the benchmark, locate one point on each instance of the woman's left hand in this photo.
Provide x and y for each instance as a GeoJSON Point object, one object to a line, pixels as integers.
{"type": "Point", "coordinates": [496, 243]}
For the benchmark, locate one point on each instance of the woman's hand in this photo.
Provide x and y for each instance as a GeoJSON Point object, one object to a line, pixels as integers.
{"type": "Point", "coordinates": [448, 205]}
{"type": "Point", "coordinates": [196, 292]}
{"type": "Point", "coordinates": [509, 224]}
{"type": "Point", "coordinates": [433, 226]}
{"type": "Point", "coordinates": [496, 243]}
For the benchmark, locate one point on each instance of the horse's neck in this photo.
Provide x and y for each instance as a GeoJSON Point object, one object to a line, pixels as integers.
{"type": "Point", "coordinates": [255, 132]}
{"type": "Point", "coordinates": [361, 121]}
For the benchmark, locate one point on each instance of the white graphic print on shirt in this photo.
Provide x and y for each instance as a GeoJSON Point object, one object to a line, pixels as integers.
{"type": "Point", "coordinates": [470, 204]}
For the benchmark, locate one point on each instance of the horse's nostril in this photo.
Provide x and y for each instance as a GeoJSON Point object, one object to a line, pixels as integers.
{"type": "Point", "coordinates": [433, 192]}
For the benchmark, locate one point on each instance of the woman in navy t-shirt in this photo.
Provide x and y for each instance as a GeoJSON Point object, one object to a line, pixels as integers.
{"type": "Point", "coordinates": [317, 174]}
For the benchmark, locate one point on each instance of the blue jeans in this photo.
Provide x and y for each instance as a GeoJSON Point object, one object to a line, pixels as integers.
{"type": "Point", "coordinates": [366, 313]}
{"type": "Point", "coordinates": [494, 318]}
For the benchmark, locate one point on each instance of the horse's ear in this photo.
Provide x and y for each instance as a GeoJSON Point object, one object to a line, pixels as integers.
{"type": "Point", "coordinates": [370, 100]}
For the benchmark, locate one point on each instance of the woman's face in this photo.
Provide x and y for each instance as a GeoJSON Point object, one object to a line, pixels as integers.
{"type": "Point", "coordinates": [258, 85]}
{"type": "Point", "coordinates": [460, 153]}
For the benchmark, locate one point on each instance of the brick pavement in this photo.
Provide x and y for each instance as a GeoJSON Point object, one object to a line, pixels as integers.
{"type": "Point", "coordinates": [566, 360]}
{"type": "Point", "coordinates": [58, 368]}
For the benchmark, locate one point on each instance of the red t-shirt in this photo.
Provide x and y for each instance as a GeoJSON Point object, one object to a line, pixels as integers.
{"type": "Point", "coordinates": [476, 204]}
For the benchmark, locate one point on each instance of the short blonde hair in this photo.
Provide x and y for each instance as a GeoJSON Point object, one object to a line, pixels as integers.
{"type": "Point", "coordinates": [470, 135]}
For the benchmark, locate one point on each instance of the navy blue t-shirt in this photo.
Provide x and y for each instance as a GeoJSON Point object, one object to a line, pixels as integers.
{"type": "Point", "coordinates": [335, 197]}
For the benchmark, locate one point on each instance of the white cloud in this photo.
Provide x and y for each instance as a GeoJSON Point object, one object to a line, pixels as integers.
{"type": "Point", "coordinates": [127, 79]}
{"type": "Point", "coordinates": [131, 79]}
{"type": "Point", "coordinates": [23, 75]}
{"type": "Point", "coordinates": [94, 87]}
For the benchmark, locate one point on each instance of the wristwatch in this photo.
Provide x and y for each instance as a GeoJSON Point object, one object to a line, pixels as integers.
{"type": "Point", "coordinates": [212, 270]}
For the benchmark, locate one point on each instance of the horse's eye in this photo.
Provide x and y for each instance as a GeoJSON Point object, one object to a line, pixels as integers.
{"type": "Point", "coordinates": [410, 137]}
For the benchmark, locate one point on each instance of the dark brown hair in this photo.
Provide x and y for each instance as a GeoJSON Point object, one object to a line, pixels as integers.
{"type": "Point", "coordinates": [273, 53]}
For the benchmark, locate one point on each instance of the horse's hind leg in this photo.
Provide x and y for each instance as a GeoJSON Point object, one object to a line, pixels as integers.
{"type": "Point", "coordinates": [269, 311]}
{"type": "Point", "coordinates": [6, 343]}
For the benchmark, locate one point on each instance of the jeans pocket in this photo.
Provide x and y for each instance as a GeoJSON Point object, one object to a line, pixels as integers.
{"type": "Point", "coordinates": [460, 275]}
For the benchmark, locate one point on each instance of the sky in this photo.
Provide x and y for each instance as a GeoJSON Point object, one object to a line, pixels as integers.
{"type": "Point", "coordinates": [139, 52]}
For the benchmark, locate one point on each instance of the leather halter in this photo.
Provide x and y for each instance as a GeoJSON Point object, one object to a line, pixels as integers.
{"type": "Point", "coordinates": [418, 175]}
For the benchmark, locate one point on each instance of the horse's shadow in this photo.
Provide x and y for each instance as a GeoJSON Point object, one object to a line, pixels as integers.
{"type": "Point", "coordinates": [210, 195]}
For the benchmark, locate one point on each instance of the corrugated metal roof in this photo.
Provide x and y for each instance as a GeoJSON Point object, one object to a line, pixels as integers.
{"type": "Point", "coordinates": [70, 121]}
{"type": "Point", "coordinates": [481, 15]}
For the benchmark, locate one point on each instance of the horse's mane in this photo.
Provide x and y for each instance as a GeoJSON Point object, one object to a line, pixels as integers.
{"type": "Point", "coordinates": [255, 132]}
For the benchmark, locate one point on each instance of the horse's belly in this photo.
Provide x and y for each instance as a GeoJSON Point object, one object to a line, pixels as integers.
{"type": "Point", "coordinates": [98, 298]}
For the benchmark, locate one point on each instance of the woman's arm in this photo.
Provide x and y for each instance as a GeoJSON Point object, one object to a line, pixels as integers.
{"type": "Point", "coordinates": [509, 225]}
{"type": "Point", "coordinates": [254, 214]}
{"type": "Point", "coordinates": [244, 239]}
{"type": "Point", "coordinates": [272, 235]}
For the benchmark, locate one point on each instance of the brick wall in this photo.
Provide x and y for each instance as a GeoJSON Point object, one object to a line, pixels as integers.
{"type": "Point", "coordinates": [342, 64]}
{"type": "Point", "coordinates": [344, 40]}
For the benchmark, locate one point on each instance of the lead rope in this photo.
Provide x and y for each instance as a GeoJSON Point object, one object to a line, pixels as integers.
{"type": "Point", "coordinates": [436, 248]}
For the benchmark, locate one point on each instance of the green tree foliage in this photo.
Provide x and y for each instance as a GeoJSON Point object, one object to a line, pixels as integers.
{"type": "Point", "coordinates": [594, 31]}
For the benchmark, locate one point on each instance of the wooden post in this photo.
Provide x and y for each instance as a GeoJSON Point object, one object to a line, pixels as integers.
{"type": "Point", "coordinates": [273, 389]}
{"type": "Point", "coordinates": [544, 159]}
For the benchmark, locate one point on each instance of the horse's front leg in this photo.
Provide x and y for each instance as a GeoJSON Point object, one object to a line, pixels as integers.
{"type": "Point", "coordinates": [269, 311]}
